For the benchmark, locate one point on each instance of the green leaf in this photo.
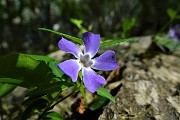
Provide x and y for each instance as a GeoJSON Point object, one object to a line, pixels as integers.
{"type": "Point", "coordinates": [78, 24]}
{"type": "Point", "coordinates": [128, 24]}
{"type": "Point", "coordinates": [166, 42]}
{"type": "Point", "coordinates": [10, 81]}
{"type": "Point", "coordinates": [50, 88]}
{"type": "Point", "coordinates": [63, 35]}
{"type": "Point", "coordinates": [114, 42]}
{"type": "Point", "coordinates": [53, 64]}
{"type": "Point", "coordinates": [178, 17]}
{"type": "Point", "coordinates": [38, 104]}
{"type": "Point", "coordinates": [53, 116]}
{"type": "Point", "coordinates": [22, 70]}
{"type": "Point", "coordinates": [6, 89]}
{"type": "Point", "coordinates": [104, 93]}
{"type": "Point", "coordinates": [98, 103]}
{"type": "Point", "coordinates": [46, 59]}
{"type": "Point", "coordinates": [178, 46]}
{"type": "Point", "coordinates": [80, 75]}
{"type": "Point", "coordinates": [172, 13]}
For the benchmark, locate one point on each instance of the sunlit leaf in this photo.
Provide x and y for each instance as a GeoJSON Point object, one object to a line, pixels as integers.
{"type": "Point", "coordinates": [46, 59]}
{"type": "Point", "coordinates": [78, 24]}
{"type": "Point", "coordinates": [63, 35]}
{"type": "Point", "coordinates": [10, 81]}
{"type": "Point", "coordinates": [53, 116]}
{"type": "Point", "coordinates": [22, 70]}
{"type": "Point", "coordinates": [104, 93]}
{"type": "Point", "coordinates": [172, 13]}
{"type": "Point", "coordinates": [54, 67]}
{"type": "Point", "coordinates": [114, 42]}
{"type": "Point", "coordinates": [6, 89]}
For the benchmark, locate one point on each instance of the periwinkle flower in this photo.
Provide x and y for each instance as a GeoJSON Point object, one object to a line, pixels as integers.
{"type": "Point", "coordinates": [85, 62]}
{"type": "Point", "coordinates": [174, 33]}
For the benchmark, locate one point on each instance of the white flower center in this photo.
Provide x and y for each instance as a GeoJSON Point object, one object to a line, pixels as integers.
{"type": "Point", "coordinates": [85, 60]}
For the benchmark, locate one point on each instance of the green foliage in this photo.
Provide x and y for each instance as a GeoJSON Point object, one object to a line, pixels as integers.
{"type": "Point", "coordinates": [167, 42]}
{"type": "Point", "coordinates": [172, 13]}
{"type": "Point", "coordinates": [53, 64]}
{"type": "Point", "coordinates": [50, 88]}
{"type": "Point", "coordinates": [25, 71]}
{"type": "Point", "coordinates": [98, 103]}
{"type": "Point", "coordinates": [104, 93]}
{"type": "Point", "coordinates": [78, 23]}
{"type": "Point", "coordinates": [46, 59]}
{"type": "Point", "coordinates": [103, 44]}
{"type": "Point", "coordinates": [6, 89]}
{"type": "Point", "coordinates": [114, 42]}
{"type": "Point", "coordinates": [11, 81]}
{"type": "Point", "coordinates": [53, 116]}
{"type": "Point", "coordinates": [127, 25]}
{"type": "Point", "coordinates": [45, 81]}
{"type": "Point", "coordinates": [77, 40]}
{"type": "Point", "coordinates": [35, 106]}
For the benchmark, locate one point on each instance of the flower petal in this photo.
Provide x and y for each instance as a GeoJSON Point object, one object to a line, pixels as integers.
{"type": "Point", "coordinates": [174, 32]}
{"type": "Point", "coordinates": [92, 81]}
{"type": "Point", "coordinates": [69, 47]}
{"type": "Point", "coordinates": [91, 43]}
{"type": "Point", "coordinates": [106, 61]}
{"type": "Point", "coordinates": [70, 68]}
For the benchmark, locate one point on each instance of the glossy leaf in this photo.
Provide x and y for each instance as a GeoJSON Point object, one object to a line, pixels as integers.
{"type": "Point", "coordinates": [10, 81]}
{"type": "Point", "coordinates": [172, 13]}
{"type": "Point", "coordinates": [46, 59]}
{"type": "Point", "coordinates": [114, 42]}
{"type": "Point", "coordinates": [38, 104]}
{"type": "Point", "coordinates": [22, 70]}
{"type": "Point", "coordinates": [6, 89]}
{"type": "Point", "coordinates": [104, 93]}
{"type": "Point", "coordinates": [98, 103]}
{"type": "Point", "coordinates": [53, 116]}
{"type": "Point", "coordinates": [50, 88]}
{"type": "Point", "coordinates": [54, 67]}
{"type": "Point", "coordinates": [63, 35]}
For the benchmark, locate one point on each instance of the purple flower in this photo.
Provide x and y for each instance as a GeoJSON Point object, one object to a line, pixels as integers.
{"type": "Point", "coordinates": [85, 62]}
{"type": "Point", "coordinates": [174, 33]}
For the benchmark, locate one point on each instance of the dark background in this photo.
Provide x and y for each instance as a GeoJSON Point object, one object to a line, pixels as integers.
{"type": "Point", "coordinates": [20, 20]}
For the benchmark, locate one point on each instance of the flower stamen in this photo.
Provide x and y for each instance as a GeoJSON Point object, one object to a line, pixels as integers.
{"type": "Point", "coordinates": [85, 60]}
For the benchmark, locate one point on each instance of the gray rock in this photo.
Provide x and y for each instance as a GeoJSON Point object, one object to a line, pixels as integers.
{"type": "Point", "coordinates": [150, 87]}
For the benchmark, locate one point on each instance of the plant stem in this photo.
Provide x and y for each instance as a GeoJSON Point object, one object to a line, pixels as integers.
{"type": "Point", "coordinates": [1, 110]}
{"type": "Point", "coordinates": [52, 106]}
{"type": "Point", "coordinates": [165, 26]}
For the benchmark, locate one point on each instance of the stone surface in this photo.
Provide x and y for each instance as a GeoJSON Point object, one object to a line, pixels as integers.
{"type": "Point", "coordinates": [150, 86]}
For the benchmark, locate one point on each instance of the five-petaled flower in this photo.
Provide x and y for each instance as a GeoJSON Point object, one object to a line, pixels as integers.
{"type": "Point", "coordinates": [106, 61]}
{"type": "Point", "coordinates": [174, 33]}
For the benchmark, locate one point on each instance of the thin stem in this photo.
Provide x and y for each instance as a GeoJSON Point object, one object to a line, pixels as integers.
{"type": "Point", "coordinates": [57, 96]}
{"type": "Point", "coordinates": [1, 110]}
{"type": "Point", "coordinates": [166, 25]}
{"type": "Point", "coordinates": [52, 106]}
